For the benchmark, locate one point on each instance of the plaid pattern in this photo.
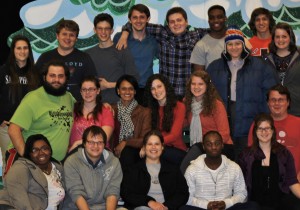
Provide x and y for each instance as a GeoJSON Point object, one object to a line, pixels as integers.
{"type": "Point", "coordinates": [175, 53]}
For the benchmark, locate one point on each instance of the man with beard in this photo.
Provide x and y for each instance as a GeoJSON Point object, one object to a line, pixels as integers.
{"type": "Point", "coordinates": [47, 110]}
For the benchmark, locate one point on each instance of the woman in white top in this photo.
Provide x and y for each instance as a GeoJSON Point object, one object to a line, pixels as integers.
{"type": "Point", "coordinates": [35, 180]}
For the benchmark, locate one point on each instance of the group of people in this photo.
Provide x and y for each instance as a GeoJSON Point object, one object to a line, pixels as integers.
{"type": "Point", "coordinates": [82, 130]}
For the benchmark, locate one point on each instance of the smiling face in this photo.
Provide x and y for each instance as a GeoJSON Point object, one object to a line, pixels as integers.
{"type": "Point", "coordinates": [41, 153]}
{"type": "Point", "coordinates": [177, 23]}
{"type": "Point", "coordinates": [104, 31]}
{"type": "Point", "coordinates": [66, 39]}
{"type": "Point", "coordinates": [217, 20]}
{"type": "Point", "coordinates": [21, 52]}
{"type": "Point", "coordinates": [89, 92]}
{"type": "Point", "coordinates": [126, 92]}
{"type": "Point", "coordinates": [158, 91]}
{"type": "Point", "coordinates": [153, 148]}
{"type": "Point", "coordinates": [198, 87]}
{"type": "Point", "coordinates": [278, 104]}
{"type": "Point", "coordinates": [282, 39]}
{"type": "Point", "coordinates": [94, 146]}
{"type": "Point", "coordinates": [262, 23]}
{"type": "Point", "coordinates": [234, 48]}
{"type": "Point", "coordinates": [264, 132]}
{"type": "Point", "coordinates": [138, 20]}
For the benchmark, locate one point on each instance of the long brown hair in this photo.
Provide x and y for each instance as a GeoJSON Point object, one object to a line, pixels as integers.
{"type": "Point", "coordinates": [152, 103]}
{"type": "Point", "coordinates": [32, 75]}
{"type": "Point", "coordinates": [210, 96]}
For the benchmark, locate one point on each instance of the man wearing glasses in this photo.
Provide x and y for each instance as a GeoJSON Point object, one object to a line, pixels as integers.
{"type": "Point", "coordinates": [110, 63]}
{"type": "Point", "coordinates": [286, 125]}
{"type": "Point", "coordinates": [93, 175]}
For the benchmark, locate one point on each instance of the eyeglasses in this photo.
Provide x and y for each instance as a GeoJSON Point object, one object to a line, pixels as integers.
{"type": "Point", "coordinates": [89, 90]}
{"type": "Point", "coordinates": [266, 129]}
{"type": "Point", "coordinates": [93, 143]}
{"type": "Point", "coordinates": [278, 100]}
{"type": "Point", "coordinates": [44, 149]}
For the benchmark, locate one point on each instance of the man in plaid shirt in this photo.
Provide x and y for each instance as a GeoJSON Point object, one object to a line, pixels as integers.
{"type": "Point", "coordinates": [177, 41]}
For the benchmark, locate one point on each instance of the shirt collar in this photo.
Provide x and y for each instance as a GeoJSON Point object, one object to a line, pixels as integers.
{"type": "Point", "coordinates": [101, 160]}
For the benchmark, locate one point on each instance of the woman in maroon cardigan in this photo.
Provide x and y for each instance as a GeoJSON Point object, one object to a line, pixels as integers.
{"type": "Point", "coordinates": [269, 169]}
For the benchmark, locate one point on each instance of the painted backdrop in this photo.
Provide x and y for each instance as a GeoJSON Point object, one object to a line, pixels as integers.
{"type": "Point", "coordinates": [40, 17]}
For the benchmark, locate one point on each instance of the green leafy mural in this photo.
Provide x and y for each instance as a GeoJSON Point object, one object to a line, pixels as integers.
{"type": "Point", "coordinates": [44, 39]}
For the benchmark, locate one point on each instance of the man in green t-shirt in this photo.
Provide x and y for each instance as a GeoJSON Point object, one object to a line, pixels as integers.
{"type": "Point", "coordinates": [47, 110]}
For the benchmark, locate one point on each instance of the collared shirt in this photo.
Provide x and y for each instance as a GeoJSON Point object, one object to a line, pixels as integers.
{"type": "Point", "coordinates": [144, 52]}
{"type": "Point", "coordinates": [94, 165]}
{"type": "Point", "coordinates": [175, 53]}
{"type": "Point", "coordinates": [234, 67]}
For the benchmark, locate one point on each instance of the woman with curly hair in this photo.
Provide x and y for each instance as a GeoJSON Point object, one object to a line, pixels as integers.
{"type": "Point", "coordinates": [90, 111]}
{"type": "Point", "coordinates": [167, 116]}
{"type": "Point", "coordinates": [205, 111]}
{"type": "Point", "coordinates": [204, 108]}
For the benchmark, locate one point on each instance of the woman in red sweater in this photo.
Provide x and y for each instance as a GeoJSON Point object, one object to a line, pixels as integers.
{"type": "Point", "coordinates": [167, 115]}
{"type": "Point", "coordinates": [205, 111]}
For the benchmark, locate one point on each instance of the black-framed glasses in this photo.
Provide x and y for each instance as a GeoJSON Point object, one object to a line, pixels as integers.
{"type": "Point", "coordinates": [266, 129]}
{"type": "Point", "coordinates": [277, 100]}
{"type": "Point", "coordinates": [44, 149]}
{"type": "Point", "coordinates": [93, 143]}
{"type": "Point", "coordinates": [88, 90]}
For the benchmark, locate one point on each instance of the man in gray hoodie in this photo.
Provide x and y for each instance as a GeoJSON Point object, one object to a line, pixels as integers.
{"type": "Point", "coordinates": [92, 174]}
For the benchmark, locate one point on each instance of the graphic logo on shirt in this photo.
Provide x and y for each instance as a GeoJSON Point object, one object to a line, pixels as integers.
{"type": "Point", "coordinates": [22, 80]}
{"type": "Point", "coordinates": [62, 118]}
{"type": "Point", "coordinates": [285, 139]}
{"type": "Point", "coordinates": [107, 173]}
{"type": "Point", "coordinates": [72, 65]}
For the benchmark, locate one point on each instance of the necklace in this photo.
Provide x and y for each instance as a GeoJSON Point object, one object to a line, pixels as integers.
{"type": "Point", "coordinates": [48, 169]}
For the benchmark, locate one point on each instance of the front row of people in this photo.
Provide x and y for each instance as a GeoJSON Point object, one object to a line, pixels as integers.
{"type": "Point", "coordinates": [93, 179]}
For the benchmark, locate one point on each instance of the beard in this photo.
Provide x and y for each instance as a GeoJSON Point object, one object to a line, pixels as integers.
{"type": "Point", "coordinates": [55, 91]}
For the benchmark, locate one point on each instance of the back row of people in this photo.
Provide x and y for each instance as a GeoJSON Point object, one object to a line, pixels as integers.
{"type": "Point", "coordinates": [60, 113]}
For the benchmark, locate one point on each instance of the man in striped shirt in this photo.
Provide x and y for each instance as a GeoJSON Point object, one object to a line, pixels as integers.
{"type": "Point", "coordinates": [215, 182]}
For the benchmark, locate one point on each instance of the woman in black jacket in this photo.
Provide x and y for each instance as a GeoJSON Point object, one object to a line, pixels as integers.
{"type": "Point", "coordinates": [154, 183]}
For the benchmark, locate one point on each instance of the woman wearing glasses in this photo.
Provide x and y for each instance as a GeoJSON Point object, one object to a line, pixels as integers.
{"type": "Point", "coordinates": [269, 169]}
{"type": "Point", "coordinates": [35, 180]}
{"type": "Point", "coordinates": [90, 111]}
